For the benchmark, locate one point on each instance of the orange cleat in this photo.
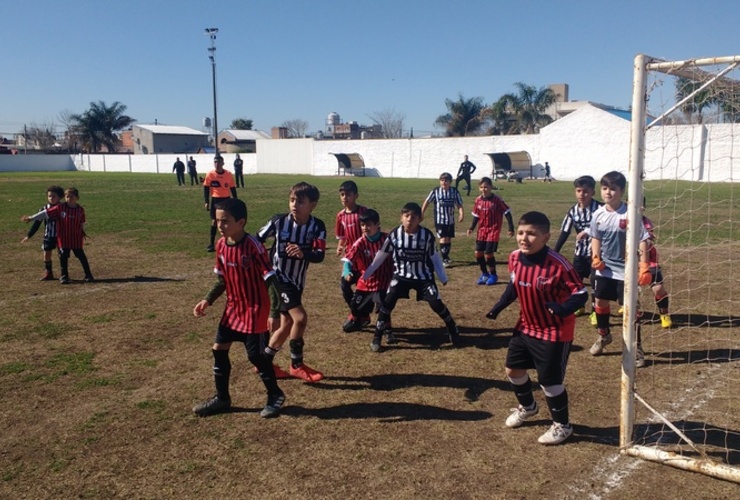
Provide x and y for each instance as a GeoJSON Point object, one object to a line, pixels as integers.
{"type": "Point", "coordinates": [279, 372]}
{"type": "Point", "coordinates": [306, 373]}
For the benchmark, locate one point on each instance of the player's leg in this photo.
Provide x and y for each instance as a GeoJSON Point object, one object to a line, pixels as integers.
{"type": "Point", "coordinates": [82, 257]}
{"type": "Point", "coordinates": [518, 361]}
{"type": "Point", "coordinates": [255, 345]}
{"type": "Point", "coordinates": [489, 255]}
{"type": "Point", "coordinates": [48, 272]}
{"type": "Point", "coordinates": [551, 360]}
{"type": "Point", "coordinates": [346, 287]}
{"type": "Point", "coordinates": [396, 291]}
{"type": "Point", "coordinates": [64, 265]}
{"type": "Point", "coordinates": [430, 293]}
{"type": "Point", "coordinates": [221, 402]}
{"type": "Point", "coordinates": [661, 297]}
{"type": "Point", "coordinates": [605, 291]}
{"type": "Point", "coordinates": [214, 228]}
{"type": "Point", "coordinates": [480, 259]}
{"type": "Point", "coordinates": [298, 321]}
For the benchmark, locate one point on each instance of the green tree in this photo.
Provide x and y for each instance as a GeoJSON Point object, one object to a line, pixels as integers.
{"type": "Point", "coordinates": [463, 116]}
{"type": "Point", "coordinates": [96, 127]}
{"type": "Point", "coordinates": [523, 112]}
{"type": "Point", "coordinates": [241, 124]}
{"type": "Point", "coordinates": [697, 103]}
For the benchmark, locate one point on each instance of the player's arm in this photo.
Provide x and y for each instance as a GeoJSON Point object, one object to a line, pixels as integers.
{"type": "Point", "coordinates": [572, 304]}
{"type": "Point", "coordinates": [561, 241]}
{"type": "Point", "coordinates": [377, 262]}
{"type": "Point", "coordinates": [439, 268]}
{"type": "Point", "coordinates": [473, 224]}
{"type": "Point", "coordinates": [506, 299]}
{"type": "Point", "coordinates": [206, 192]}
{"type": "Point", "coordinates": [472, 167]}
{"type": "Point", "coordinates": [460, 213]}
{"type": "Point", "coordinates": [32, 230]}
{"type": "Point", "coordinates": [510, 222]}
{"type": "Point", "coordinates": [233, 193]}
{"type": "Point", "coordinates": [42, 215]}
{"type": "Point", "coordinates": [596, 262]}
{"type": "Point", "coordinates": [214, 293]}
{"type": "Point", "coordinates": [424, 208]}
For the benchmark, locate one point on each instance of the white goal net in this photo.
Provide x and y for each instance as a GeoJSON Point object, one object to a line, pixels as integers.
{"type": "Point", "coordinates": [683, 407]}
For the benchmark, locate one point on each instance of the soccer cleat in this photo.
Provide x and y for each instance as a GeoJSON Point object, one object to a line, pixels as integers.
{"type": "Point", "coordinates": [272, 408]}
{"type": "Point", "coordinates": [89, 278]}
{"type": "Point", "coordinates": [389, 337]}
{"type": "Point", "coordinates": [212, 407]}
{"type": "Point", "coordinates": [364, 321]}
{"type": "Point", "coordinates": [520, 415]}
{"type": "Point", "coordinates": [600, 344]}
{"type": "Point", "coordinates": [350, 325]}
{"type": "Point", "coordinates": [375, 345]}
{"type": "Point", "coordinates": [64, 280]}
{"type": "Point", "coordinates": [592, 318]}
{"type": "Point", "coordinates": [620, 310]}
{"type": "Point", "coordinates": [666, 321]}
{"type": "Point", "coordinates": [483, 279]}
{"type": "Point", "coordinates": [639, 357]}
{"type": "Point", "coordinates": [279, 372]}
{"type": "Point", "coordinates": [210, 248]}
{"type": "Point", "coordinates": [580, 312]}
{"type": "Point", "coordinates": [492, 279]}
{"type": "Point", "coordinates": [556, 434]}
{"type": "Point", "coordinates": [306, 373]}
{"type": "Point", "coordinates": [48, 276]}
{"type": "Point", "coordinates": [446, 262]}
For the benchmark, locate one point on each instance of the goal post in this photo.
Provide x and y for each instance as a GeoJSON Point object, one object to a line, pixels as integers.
{"type": "Point", "coordinates": [683, 408]}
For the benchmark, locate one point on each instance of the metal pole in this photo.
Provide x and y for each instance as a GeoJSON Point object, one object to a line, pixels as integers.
{"type": "Point", "coordinates": [211, 32]}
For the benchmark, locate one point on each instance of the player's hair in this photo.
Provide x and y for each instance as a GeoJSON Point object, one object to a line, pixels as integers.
{"type": "Point", "coordinates": [371, 216]}
{"type": "Point", "coordinates": [614, 179]}
{"type": "Point", "coordinates": [537, 219]}
{"type": "Point", "coordinates": [585, 181]}
{"type": "Point", "coordinates": [446, 176]}
{"type": "Point", "coordinates": [411, 207]}
{"type": "Point", "coordinates": [305, 190]}
{"type": "Point", "coordinates": [348, 187]}
{"type": "Point", "coordinates": [485, 180]}
{"type": "Point", "coordinates": [57, 190]}
{"type": "Point", "coordinates": [234, 207]}
{"type": "Point", "coordinates": [72, 190]}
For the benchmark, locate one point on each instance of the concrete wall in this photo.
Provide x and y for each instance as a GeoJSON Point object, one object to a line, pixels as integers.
{"type": "Point", "coordinates": [36, 163]}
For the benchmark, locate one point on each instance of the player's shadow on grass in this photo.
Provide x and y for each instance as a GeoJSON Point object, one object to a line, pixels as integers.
{"type": "Point", "coordinates": [694, 320]}
{"type": "Point", "coordinates": [718, 442]}
{"type": "Point", "coordinates": [481, 338]}
{"type": "Point", "coordinates": [388, 412]}
{"type": "Point", "coordinates": [726, 355]}
{"type": "Point", "coordinates": [473, 387]}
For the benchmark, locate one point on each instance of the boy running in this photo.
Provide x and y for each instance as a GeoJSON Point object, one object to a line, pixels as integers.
{"type": "Point", "coordinates": [549, 291]}
{"type": "Point", "coordinates": [252, 306]}
{"type": "Point", "coordinates": [445, 199]}
{"type": "Point", "coordinates": [54, 194]}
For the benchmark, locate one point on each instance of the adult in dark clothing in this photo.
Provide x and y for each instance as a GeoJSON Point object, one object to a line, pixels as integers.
{"type": "Point", "coordinates": [239, 170]}
{"type": "Point", "coordinates": [192, 172]}
{"type": "Point", "coordinates": [179, 169]}
{"type": "Point", "coordinates": [463, 174]}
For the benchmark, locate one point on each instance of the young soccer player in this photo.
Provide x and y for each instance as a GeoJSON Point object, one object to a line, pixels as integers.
{"type": "Point", "coordinates": [445, 199]}
{"type": "Point", "coordinates": [659, 291]}
{"type": "Point", "coordinates": [411, 247]}
{"type": "Point", "coordinates": [218, 185]}
{"type": "Point", "coordinates": [370, 292]}
{"type": "Point", "coordinates": [549, 291]}
{"type": "Point", "coordinates": [70, 218]}
{"type": "Point", "coordinates": [54, 194]}
{"type": "Point", "coordinates": [579, 217]}
{"type": "Point", "coordinates": [490, 210]}
{"type": "Point", "coordinates": [608, 237]}
{"type": "Point", "coordinates": [299, 239]}
{"type": "Point", "coordinates": [464, 172]}
{"type": "Point", "coordinates": [252, 305]}
{"type": "Point", "coordinates": [347, 230]}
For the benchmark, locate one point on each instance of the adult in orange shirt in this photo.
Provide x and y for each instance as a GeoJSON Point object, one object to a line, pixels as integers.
{"type": "Point", "coordinates": [217, 186]}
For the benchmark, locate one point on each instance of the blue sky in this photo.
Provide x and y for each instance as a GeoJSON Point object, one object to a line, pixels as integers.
{"type": "Point", "coordinates": [294, 59]}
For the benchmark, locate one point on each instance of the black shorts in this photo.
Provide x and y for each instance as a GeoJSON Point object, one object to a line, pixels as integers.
{"type": "Point", "coordinates": [549, 358]}
{"type": "Point", "coordinates": [364, 302]}
{"type": "Point", "coordinates": [608, 288]}
{"type": "Point", "coordinates": [487, 247]}
{"type": "Point", "coordinates": [255, 343]}
{"type": "Point", "coordinates": [657, 275]}
{"type": "Point", "coordinates": [582, 265]}
{"type": "Point", "coordinates": [214, 202]}
{"type": "Point", "coordinates": [49, 244]}
{"type": "Point", "coordinates": [445, 230]}
{"type": "Point", "coordinates": [290, 296]}
{"type": "Point", "coordinates": [425, 290]}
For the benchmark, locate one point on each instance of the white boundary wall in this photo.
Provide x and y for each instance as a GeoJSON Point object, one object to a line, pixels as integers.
{"type": "Point", "coordinates": [588, 141]}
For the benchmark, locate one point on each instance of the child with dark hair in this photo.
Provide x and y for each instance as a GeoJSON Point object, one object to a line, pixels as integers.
{"type": "Point", "coordinates": [656, 285]}
{"type": "Point", "coordinates": [54, 194]}
{"type": "Point", "coordinates": [252, 306]}
{"type": "Point", "coordinates": [347, 230]}
{"type": "Point", "coordinates": [445, 199]}
{"type": "Point", "coordinates": [549, 291]}
{"type": "Point", "coordinates": [415, 261]}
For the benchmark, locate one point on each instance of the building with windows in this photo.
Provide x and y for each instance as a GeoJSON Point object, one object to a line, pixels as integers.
{"type": "Point", "coordinates": [156, 139]}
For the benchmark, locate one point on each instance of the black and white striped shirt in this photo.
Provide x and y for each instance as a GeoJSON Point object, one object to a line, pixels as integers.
{"type": "Point", "coordinates": [50, 228]}
{"type": "Point", "coordinates": [411, 253]}
{"type": "Point", "coordinates": [310, 237]}
{"type": "Point", "coordinates": [445, 201]}
{"type": "Point", "coordinates": [580, 219]}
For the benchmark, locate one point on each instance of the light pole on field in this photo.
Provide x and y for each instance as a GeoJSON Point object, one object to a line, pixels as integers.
{"type": "Point", "coordinates": [211, 33]}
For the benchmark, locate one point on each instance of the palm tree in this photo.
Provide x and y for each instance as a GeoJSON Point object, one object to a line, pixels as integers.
{"type": "Point", "coordinates": [524, 112]}
{"type": "Point", "coordinates": [96, 127]}
{"type": "Point", "coordinates": [463, 116]}
{"type": "Point", "coordinates": [698, 102]}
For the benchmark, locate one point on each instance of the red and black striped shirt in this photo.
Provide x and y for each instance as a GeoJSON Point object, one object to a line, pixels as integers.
{"type": "Point", "coordinates": [361, 255]}
{"type": "Point", "coordinates": [546, 278]}
{"type": "Point", "coordinates": [490, 214]}
{"type": "Point", "coordinates": [244, 266]}
{"type": "Point", "coordinates": [347, 226]}
{"type": "Point", "coordinates": [70, 224]}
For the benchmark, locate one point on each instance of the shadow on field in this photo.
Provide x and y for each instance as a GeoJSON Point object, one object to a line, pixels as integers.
{"type": "Point", "coordinates": [388, 412]}
{"type": "Point", "coordinates": [695, 320]}
{"type": "Point", "coordinates": [717, 442]}
{"type": "Point", "coordinates": [598, 435]}
{"type": "Point", "coordinates": [473, 386]}
{"type": "Point", "coordinates": [481, 338]}
{"type": "Point", "coordinates": [726, 355]}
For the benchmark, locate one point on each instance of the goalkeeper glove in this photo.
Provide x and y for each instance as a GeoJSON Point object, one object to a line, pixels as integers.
{"type": "Point", "coordinates": [597, 264]}
{"type": "Point", "coordinates": [644, 278]}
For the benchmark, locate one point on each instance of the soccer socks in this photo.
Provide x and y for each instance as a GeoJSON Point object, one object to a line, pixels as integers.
{"type": "Point", "coordinates": [558, 404]}
{"type": "Point", "coordinates": [662, 304]}
{"type": "Point", "coordinates": [602, 319]}
{"type": "Point", "coordinates": [480, 259]}
{"type": "Point", "coordinates": [80, 254]}
{"type": "Point", "coordinates": [296, 352]}
{"type": "Point", "coordinates": [384, 318]}
{"type": "Point", "coordinates": [221, 374]}
{"type": "Point", "coordinates": [213, 234]}
{"type": "Point", "coordinates": [263, 363]}
{"type": "Point", "coordinates": [523, 391]}
{"type": "Point", "coordinates": [47, 266]}
{"type": "Point", "coordinates": [444, 249]}
{"type": "Point", "coordinates": [491, 263]}
{"type": "Point", "coordinates": [441, 309]}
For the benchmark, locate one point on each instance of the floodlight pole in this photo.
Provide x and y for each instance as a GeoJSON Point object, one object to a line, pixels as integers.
{"type": "Point", "coordinates": [211, 33]}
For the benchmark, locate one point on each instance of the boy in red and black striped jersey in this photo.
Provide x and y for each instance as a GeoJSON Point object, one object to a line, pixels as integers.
{"type": "Point", "coordinates": [54, 194]}
{"type": "Point", "coordinates": [489, 210]}
{"type": "Point", "coordinates": [347, 230]}
{"type": "Point", "coordinates": [218, 186]}
{"type": "Point", "coordinates": [70, 218]}
{"type": "Point", "coordinates": [252, 306]}
{"type": "Point", "coordinates": [370, 292]}
{"type": "Point", "coordinates": [299, 239]}
{"type": "Point", "coordinates": [549, 291]}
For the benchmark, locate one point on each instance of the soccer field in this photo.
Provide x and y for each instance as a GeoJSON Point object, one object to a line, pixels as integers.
{"type": "Point", "coordinates": [97, 380]}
